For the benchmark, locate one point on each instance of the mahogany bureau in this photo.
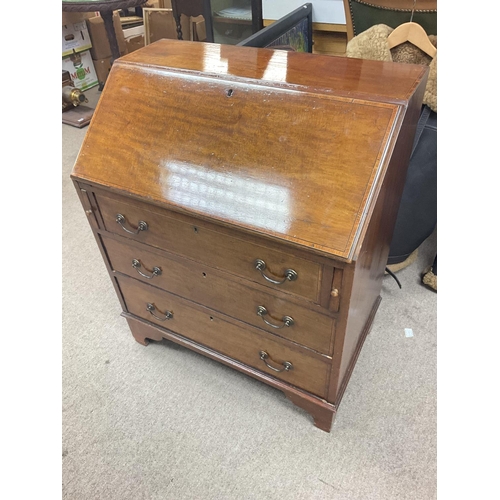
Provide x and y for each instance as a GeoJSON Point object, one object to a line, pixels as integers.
{"type": "Point", "coordinates": [244, 201]}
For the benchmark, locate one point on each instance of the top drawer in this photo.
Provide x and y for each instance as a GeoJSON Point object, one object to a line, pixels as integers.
{"type": "Point", "coordinates": [270, 267]}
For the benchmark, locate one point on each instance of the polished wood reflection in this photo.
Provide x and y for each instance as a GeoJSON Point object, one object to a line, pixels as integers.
{"type": "Point", "coordinates": [344, 75]}
{"type": "Point", "coordinates": [234, 151]}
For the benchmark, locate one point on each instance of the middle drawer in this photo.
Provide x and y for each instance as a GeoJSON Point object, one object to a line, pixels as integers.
{"type": "Point", "coordinates": [222, 293]}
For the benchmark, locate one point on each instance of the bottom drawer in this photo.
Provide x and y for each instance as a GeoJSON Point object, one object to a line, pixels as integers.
{"type": "Point", "coordinates": [282, 359]}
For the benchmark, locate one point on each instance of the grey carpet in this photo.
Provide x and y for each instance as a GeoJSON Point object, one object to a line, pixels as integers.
{"type": "Point", "coordinates": [162, 422]}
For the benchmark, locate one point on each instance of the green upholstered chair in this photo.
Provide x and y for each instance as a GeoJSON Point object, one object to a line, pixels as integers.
{"type": "Point", "coordinates": [361, 15]}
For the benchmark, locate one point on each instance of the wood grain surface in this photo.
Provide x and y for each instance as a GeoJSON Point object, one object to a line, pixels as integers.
{"type": "Point", "coordinates": [240, 153]}
{"type": "Point", "coordinates": [208, 328]}
{"type": "Point", "coordinates": [204, 285]}
{"type": "Point", "coordinates": [234, 254]}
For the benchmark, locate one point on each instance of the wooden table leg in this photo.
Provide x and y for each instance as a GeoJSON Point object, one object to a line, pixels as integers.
{"type": "Point", "coordinates": [107, 17]}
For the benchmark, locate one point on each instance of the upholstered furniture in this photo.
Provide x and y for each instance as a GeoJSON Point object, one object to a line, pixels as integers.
{"type": "Point", "coordinates": [361, 15]}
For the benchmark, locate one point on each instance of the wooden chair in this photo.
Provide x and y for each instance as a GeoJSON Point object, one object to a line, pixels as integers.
{"type": "Point", "coordinates": [361, 15]}
{"type": "Point", "coordinates": [193, 8]}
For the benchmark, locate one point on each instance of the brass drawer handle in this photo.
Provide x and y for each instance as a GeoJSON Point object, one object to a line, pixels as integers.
{"type": "Point", "coordinates": [142, 226]}
{"type": "Point", "coordinates": [290, 274]}
{"type": "Point", "coordinates": [151, 308]}
{"type": "Point", "coordinates": [287, 366]}
{"type": "Point", "coordinates": [136, 264]}
{"type": "Point", "coordinates": [287, 320]}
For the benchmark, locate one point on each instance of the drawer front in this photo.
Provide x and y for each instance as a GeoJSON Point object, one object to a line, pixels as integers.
{"type": "Point", "coordinates": [214, 249]}
{"type": "Point", "coordinates": [242, 344]}
{"type": "Point", "coordinates": [220, 292]}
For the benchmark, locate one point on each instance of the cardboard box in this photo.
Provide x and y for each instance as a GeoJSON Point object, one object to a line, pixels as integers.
{"type": "Point", "coordinates": [198, 30]}
{"type": "Point", "coordinates": [160, 23]}
{"type": "Point", "coordinates": [81, 70]}
{"type": "Point", "coordinates": [100, 44]}
{"type": "Point", "coordinates": [102, 68]}
{"type": "Point", "coordinates": [75, 17]}
{"type": "Point", "coordinates": [134, 43]}
{"type": "Point", "coordinates": [134, 31]}
{"type": "Point", "coordinates": [134, 38]}
{"type": "Point", "coordinates": [75, 38]}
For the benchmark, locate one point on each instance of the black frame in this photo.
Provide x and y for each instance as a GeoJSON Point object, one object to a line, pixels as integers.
{"type": "Point", "coordinates": [264, 37]}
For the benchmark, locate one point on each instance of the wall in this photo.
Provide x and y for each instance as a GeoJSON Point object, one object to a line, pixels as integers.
{"type": "Point", "coordinates": [329, 29]}
{"type": "Point", "coordinates": [324, 11]}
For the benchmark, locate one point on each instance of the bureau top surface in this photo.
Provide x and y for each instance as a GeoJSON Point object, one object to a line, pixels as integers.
{"type": "Point", "coordinates": [285, 145]}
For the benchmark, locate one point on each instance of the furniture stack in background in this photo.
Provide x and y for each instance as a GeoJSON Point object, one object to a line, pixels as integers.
{"type": "Point", "coordinates": [85, 47]}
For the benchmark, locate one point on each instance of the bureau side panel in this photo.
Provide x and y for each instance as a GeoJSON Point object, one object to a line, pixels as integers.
{"type": "Point", "coordinates": [87, 199]}
{"type": "Point", "coordinates": [372, 253]}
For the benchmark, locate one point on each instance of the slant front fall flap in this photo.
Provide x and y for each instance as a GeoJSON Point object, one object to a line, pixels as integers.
{"type": "Point", "coordinates": [241, 151]}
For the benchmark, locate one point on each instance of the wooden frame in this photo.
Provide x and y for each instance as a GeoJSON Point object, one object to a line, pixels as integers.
{"type": "Point", "coordinates": [145, 17]}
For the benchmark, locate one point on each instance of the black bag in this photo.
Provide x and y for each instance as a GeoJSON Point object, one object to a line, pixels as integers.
{"type": "Point", "coordinates": [417, 215]}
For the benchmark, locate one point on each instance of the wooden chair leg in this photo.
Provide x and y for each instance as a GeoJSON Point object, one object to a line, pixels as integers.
{"type": "Point", "coordinates": [178, 27]}
{"type": "Point", "coordinates": [107, 17]}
